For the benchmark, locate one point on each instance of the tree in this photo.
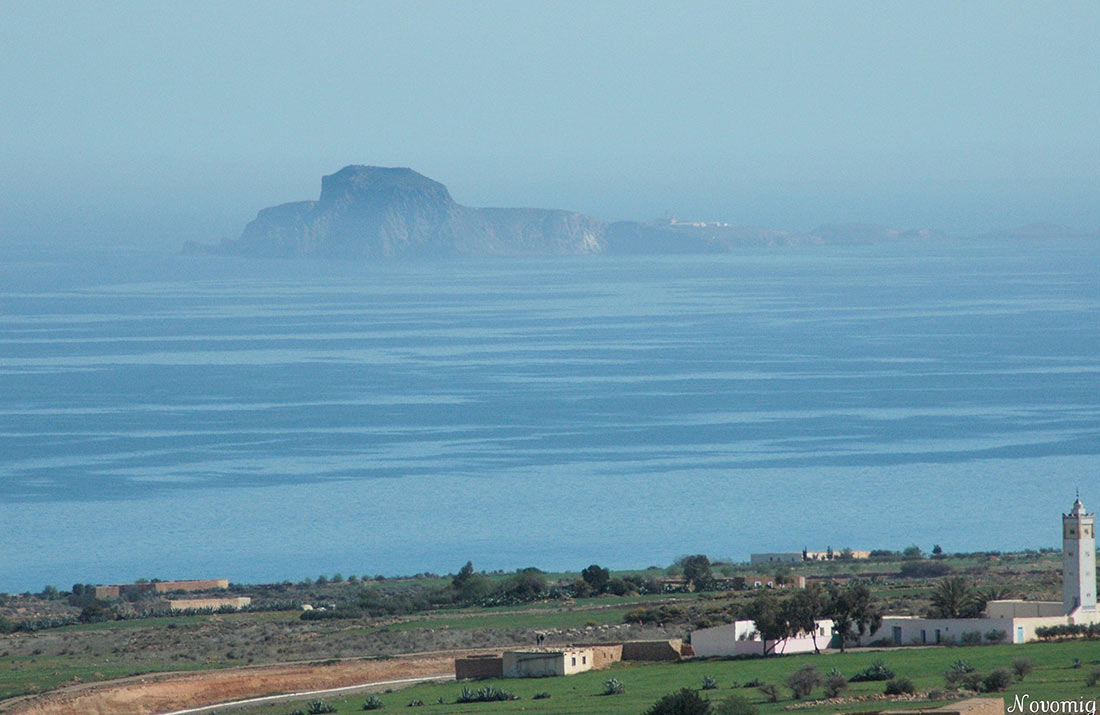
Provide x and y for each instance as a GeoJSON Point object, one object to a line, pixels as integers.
{"type": "Point", "coordinates": [596, 577]}
{"type": "Point", "coordinates": [697, 572]}
{"type": "Point", "coordinates": [853, 612]}
{"type": "Point", "coordinates": [469, 585]}
{"type": "Point", "coordinates": [912, 552]}
{"type": "Point", "coordinates": [956, 598]}
{"type": "Point", "coordinates": [464, 574]}
{"type": "Point", "coordinates": [803, 681]}
{"type": "Point", "coordinates": [526, 585]}
{"type": "Point", "coordinates": [770, 618]}
{"type": "Point", "coordinates": [937, 550]}
{"type": "Point", "coordinates": [802, 610]}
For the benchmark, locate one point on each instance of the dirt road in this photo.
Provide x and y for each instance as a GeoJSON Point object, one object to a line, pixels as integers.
{"type": "Point", "coordinates": [180, 691]}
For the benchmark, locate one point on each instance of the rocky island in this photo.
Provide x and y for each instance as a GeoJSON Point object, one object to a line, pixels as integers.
{"type": "Point", "coordinates": [373, 212]}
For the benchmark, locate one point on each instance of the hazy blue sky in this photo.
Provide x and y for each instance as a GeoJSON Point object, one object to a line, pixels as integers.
{"type": "Point", "coordinates": [146, 123]}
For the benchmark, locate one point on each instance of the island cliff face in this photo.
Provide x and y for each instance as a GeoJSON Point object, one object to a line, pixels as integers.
{"type": "Point", "coordinates": [372, 212]}
{"type": "Point", "coordinates": [376, 212]}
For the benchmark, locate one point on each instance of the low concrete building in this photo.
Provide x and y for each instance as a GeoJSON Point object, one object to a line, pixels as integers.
{"type": "Point", "coordinates": [120, 590]}
{"type": "Point", "coordinates": [1023, 609]}
{"type": "Point", "coordinates": [201, 604]}
{"type": "Point", "coordinates": [546, 662]}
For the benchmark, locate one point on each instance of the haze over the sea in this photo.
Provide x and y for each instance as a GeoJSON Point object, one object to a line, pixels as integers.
{"type": "Point", "coordinates": [144, 125]}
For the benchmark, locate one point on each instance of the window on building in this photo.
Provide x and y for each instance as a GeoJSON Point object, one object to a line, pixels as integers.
{"type": "Point", "coordinates": [574, 660]}
{"type": "Point", "coordinates": [584, 659]}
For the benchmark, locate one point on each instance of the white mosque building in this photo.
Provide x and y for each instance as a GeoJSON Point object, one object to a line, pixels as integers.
{"type": "Point", "coordinates": [1017, 620]}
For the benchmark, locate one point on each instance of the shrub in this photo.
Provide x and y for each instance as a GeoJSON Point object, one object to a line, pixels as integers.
{"type": "Point", "coordinates": [733, 705]}
{"type": "Point", "coordinates": [485, 695]}
{"type": "Point", "coordinates": [770, 691]}
{"type": "Point", "coordinates": [924, 569]}
{"type": "Point", "coordinates": [541, 696]}
{"type": "Point", "coordinates": [1076, 663]}
{"type": "Point", "coordinates": [972, 638]}
{"type": "Point", "coordinates": [416, 703]}
{"type": "Point", "coordinates": [803, 681]}
{"type": "Point", "coordinates": [997, 681]}
{"type": "Point", "coordinates": [958, 669]}
{"type": "Point", "coordinates": [936, 694]}
{"type": "Point", "coordinates": [684, 702]}
{"type": "Point", "coordinates": [1022, 667]}
{"type": "Point", "coordinates": [754, 683]}
{"type": "Point", "coordinates": [709, 683]}
{"type": "Point", "coordinates": [900, 686]}
{"type": "Point", "coordinates": [876, 671]}
{"type": "Point", "coordinates": [835, 685]}
{"type": "Point", "coordinates": [319, 707]}
{"type": "Point", "coordinates": [972, 681]}
{"type": "Point", "coordinates": [1093, 678]}
{"type": "Point", "coordinates": [995, 636]}
{"type": "Point", "coordinates": [373, 703]}
{"type": "Point", "coordinates": [613, 686]}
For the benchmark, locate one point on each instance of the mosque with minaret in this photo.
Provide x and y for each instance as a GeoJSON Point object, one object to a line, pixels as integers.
{"type": "Point", "coordinates": [1015, 621]}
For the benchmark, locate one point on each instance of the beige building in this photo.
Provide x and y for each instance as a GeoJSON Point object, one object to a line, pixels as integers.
{"type": "Point", "coordinates": [200, 604]}
{"type": "Point", "coordinates": [546, 662]}
{"type": "Point", "coordinates": [119, 590]}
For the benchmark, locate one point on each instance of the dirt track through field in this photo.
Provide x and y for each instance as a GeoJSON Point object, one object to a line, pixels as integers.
{"type": "Point", "coordinates": [180, 691]}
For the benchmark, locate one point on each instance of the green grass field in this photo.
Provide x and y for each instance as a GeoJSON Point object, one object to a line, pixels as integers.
{"type": "Point", "coordinates": [1053, 678]}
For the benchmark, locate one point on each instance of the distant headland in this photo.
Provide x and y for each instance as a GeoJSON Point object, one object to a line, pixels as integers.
{"type": "Point", "coordinates": [372, 212]}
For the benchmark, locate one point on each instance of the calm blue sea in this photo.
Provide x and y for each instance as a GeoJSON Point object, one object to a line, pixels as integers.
{"type": "Point", "coordinates": [172, 417]}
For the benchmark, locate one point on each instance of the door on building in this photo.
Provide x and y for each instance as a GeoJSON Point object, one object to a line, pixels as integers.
{"type": "Point", "coordinates": [1019, 634]}
{"type": "Point", "coordinates": [897, 635]}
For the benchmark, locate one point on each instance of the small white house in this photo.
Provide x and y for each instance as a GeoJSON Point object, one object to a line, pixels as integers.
{"type": "Point", "coordinates": [742, 638]}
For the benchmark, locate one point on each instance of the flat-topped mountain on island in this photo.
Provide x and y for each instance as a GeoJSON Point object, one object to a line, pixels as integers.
{"type": "Point", "coordinates": [370, 212]}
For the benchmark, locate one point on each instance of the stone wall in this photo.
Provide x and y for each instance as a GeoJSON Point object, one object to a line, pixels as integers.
{"type": "Point", "coordinates": [478, 667]}
{"type": "Point", "coordinates": [652, 650]}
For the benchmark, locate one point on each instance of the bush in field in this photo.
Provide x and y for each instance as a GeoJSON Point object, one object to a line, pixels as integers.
{"type": "Point", "coordinates": [876, 671]}
{"type": "Point", "coordinates": [1093, 678]}
{"type": "Point", "coordinates": [770, 691]}
{"type": "Point", "coordinates": [613, 686]}
{"type": "Point", "coordinates": [900, 686]}
{"type": "Point", "coordinates": [995, 636]}
{"type": "Point", "coordinates": [709, 683]}
{"type": "Point", "coordinates": [733, 705]}
{"type": "Point", "coordinates": [683, 702]}
{"type": "Point", "coordinates": [972, 638]}
{"type": "Point", "coordinates": [958, 670]}
{"type": "Point", "coordinates": [373, 703]}
{"type": "Point", "coordinates": [1022, 667]}
{"type": "Point", "coordinates": [485, 695]}
{"type": "Point", "coordinates": [835, 685]}
{"type": "Point", "coordinates": [803, 681]}
{"type": "Point", "coordinates": [319, 707]}
{"type": "Point", "coordinates": [997, 681]}
{"type": "Point", "coordinates": [541, 696]}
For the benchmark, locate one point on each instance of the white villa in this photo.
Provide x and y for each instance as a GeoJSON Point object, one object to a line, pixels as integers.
{"type": "Point", "coordinates": [1017, 620]}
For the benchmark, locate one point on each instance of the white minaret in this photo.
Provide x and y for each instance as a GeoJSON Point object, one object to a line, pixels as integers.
{"type": "Point", "coordinates": [1079, 559]}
